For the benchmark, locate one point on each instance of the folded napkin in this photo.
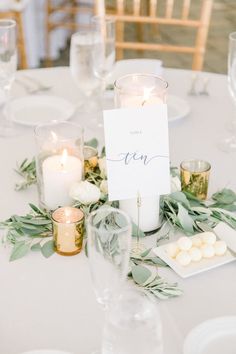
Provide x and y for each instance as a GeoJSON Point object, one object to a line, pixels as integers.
{"type": "Point", "coordinates": [134, 66]}
{"type": "Point", "coordinates": [227, 234]}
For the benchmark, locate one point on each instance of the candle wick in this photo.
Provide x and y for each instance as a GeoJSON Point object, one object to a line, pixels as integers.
{"type": "Point", "coordinates": [143, 103]}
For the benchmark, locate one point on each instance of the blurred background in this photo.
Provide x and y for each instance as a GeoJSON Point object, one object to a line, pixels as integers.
{"type": "Point", "coordinates": [46, 28]}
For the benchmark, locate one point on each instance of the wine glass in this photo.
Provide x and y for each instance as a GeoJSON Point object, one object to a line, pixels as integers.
{"type": "Point", "coordinates": [133, 325]}
{"type": "Point", "coordinates": [8, 66]}
{"type": "Point", "coordinates": [229, 143]}
{"type": "Point", "coordinates": [109, 239]}
{"type": "Point", "coordinates": [84, 47]}
{"type": "Point", "coordinates": [104, 33]}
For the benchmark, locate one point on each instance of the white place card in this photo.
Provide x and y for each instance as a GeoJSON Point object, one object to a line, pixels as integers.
{"type": "Point", "coordinates": [137, 152]}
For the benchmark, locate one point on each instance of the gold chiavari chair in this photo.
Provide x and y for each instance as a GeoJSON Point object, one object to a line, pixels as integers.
{"type": "Point", "coordinates": [69, 9]}
{"type": "Point", "coordinates": [17, 15]}
{"type": "Point", "coordinates": [151, 12]}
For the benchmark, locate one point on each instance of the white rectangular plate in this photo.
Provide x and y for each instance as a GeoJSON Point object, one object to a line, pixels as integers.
{"type": "Point", "coordinates": [194, 267]}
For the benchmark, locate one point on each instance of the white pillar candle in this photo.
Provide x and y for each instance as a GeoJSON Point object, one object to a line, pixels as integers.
{"type": "Point", "coordinates": [139, 101]}
{"type": "Point", "coordinates": [59, 173]}
{"type": "Point", "coordinates": [148, 212]}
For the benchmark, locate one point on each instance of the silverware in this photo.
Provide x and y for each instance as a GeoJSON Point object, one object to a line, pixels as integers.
{"type": "Point", "coordinates": [193, 91]}
{"type": "Point", "coordinates": [204, 90]}
{"type": "Point", "coordinates": [40, 85]}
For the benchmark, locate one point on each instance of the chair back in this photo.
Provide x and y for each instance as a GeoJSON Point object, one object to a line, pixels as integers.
{"type": "Point", "coordinates": [162, 12]}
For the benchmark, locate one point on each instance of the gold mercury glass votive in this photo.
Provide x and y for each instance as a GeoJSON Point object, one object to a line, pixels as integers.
{"type": "Point", "coordinates": [194, 176]}
{"type": "Point", "coordinates": [68, 230]}
{"type": "Point", "coordinates": [90, 159]}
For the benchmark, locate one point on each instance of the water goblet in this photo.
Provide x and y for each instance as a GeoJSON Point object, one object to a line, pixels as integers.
{"type": "Point", "coordinates": [133, 325]}
{"type": "Point", "coordinates": [8, 66]}
{"type": "Point", "coordinates": [229, 143]}
{"type": "Point", "coordinates": [104, 33]}
{"type": "Point", "coordinates": [109, 239]}
{"type": "Point", "coordinates": [84, 47]}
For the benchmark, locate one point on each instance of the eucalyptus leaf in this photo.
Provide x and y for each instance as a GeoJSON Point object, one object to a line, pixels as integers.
{"type": "Point", "coordinates": [135, 232]}
{"type": "Point", "coordinates": [36, 247]}
{"type": "Point", "coordinates": [180, 197]}
{"type": "Point", "coordinates": [93, 143]}
{"type": "Point", "coordinates": [20, 249]}
{"type": "Point", "coordinates": [140, 274]}
{"type": "Point", "coordinates": [185, 220]}
{"type": "Point", "coordinates": [225, 196]}
{"type": "Point", "coordinates": [101, 216]}
{"type": "Point", "coordinates": [48, 249]}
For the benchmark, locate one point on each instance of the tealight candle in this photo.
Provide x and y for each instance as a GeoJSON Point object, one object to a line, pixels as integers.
{"type": "Point", "coordinates": [68, 229]}
{"type": "Point", "coordinates": [90, 159]}
{"type": "Point", "coordinates": [132, 91]}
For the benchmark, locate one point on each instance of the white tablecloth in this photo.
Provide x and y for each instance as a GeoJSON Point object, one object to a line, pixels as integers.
{"type": "Point", "coordinates": [49, 303]}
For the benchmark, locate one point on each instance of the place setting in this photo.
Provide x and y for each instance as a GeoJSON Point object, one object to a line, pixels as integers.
{"type": "Point", "coordinates": [120, 234]}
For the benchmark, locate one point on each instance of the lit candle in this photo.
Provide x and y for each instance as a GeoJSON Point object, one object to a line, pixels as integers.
{"type": "Point", "coordinates": [59, 173]}
{"type": "Point", "coordinates": [146, 99]}
{"type": "Point", "coordinates": [132, 91]}
{"type": "Point", "coordinates": [68, 229]}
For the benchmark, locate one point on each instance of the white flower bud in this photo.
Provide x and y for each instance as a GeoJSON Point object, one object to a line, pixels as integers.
{"type": "Point", "coordinates": [85, 192]}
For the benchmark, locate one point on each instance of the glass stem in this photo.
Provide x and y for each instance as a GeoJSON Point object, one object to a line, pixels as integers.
{"type": "Point", "coordinates": [7, 112]}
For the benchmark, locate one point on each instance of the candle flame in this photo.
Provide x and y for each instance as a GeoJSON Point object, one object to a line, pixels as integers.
{"type": "Point", "coordinates": [67, 215]}
{"type": "Point", "coordinates": [64, 158]}
{"type": "Point", "coordinates": [146, 94]}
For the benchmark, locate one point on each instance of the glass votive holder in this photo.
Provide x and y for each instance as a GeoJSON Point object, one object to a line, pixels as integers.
{"type": "Point", "coordinates": [90, 159]}
{"type": "Point", "coordinates": [194, 176]}
{"type": "Point", "coordinates": [59, 162]}
{"type": "Point", "coordinates": [68, 230]}
{"type": "Point", "coordinates": [137, 90]}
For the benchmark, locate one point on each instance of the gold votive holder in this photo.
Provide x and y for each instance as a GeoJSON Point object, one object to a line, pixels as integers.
{"type": "Point", "coordinates": [68, 230]}
{"type": "Point", "coordinates": [194, 176]}
{"type": "Point", "coordinates": [90, 159]}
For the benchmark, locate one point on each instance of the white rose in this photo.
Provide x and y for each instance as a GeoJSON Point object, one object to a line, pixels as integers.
{"type": "Point", "coordinates": [104, 187]}
{"type": "Point", "coordinates": [175, 184]}
{"type": "Point", "coordinates": [103, 166]}
{"type": "Point", "coordinates": [85, 192]}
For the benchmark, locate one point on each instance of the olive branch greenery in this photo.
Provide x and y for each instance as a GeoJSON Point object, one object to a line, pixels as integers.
{"type": "Point", "coordinates": [179, 211]}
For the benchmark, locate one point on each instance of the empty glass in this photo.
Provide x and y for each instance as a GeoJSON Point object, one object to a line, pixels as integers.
{"type": "Point", "coordinates": [8, 66]}
{"type": "Point", "coordinates": [133, 325]}
{"type": "Point", "coordinates": [109, 238]}
{"type": "Point", "coordinates": [104, 28]}
{"type": "Point", "coordinates": [84, 47]}
{"type": "Point", "coordinates": [229, 143]}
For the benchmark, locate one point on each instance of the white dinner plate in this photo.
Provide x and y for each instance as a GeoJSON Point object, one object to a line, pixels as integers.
{"type": "Point", "coordinates": [194, 267]}
{"type": "Point", "coordinates": [215, 336]}
{"type": "Point", "coordinates": [177, 108]}
{"type": "Point", "coordinates": [34, 110]}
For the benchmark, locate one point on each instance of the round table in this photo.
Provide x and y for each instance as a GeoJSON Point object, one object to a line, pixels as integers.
{"type": "Point", "coordinates": [49, 303]}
